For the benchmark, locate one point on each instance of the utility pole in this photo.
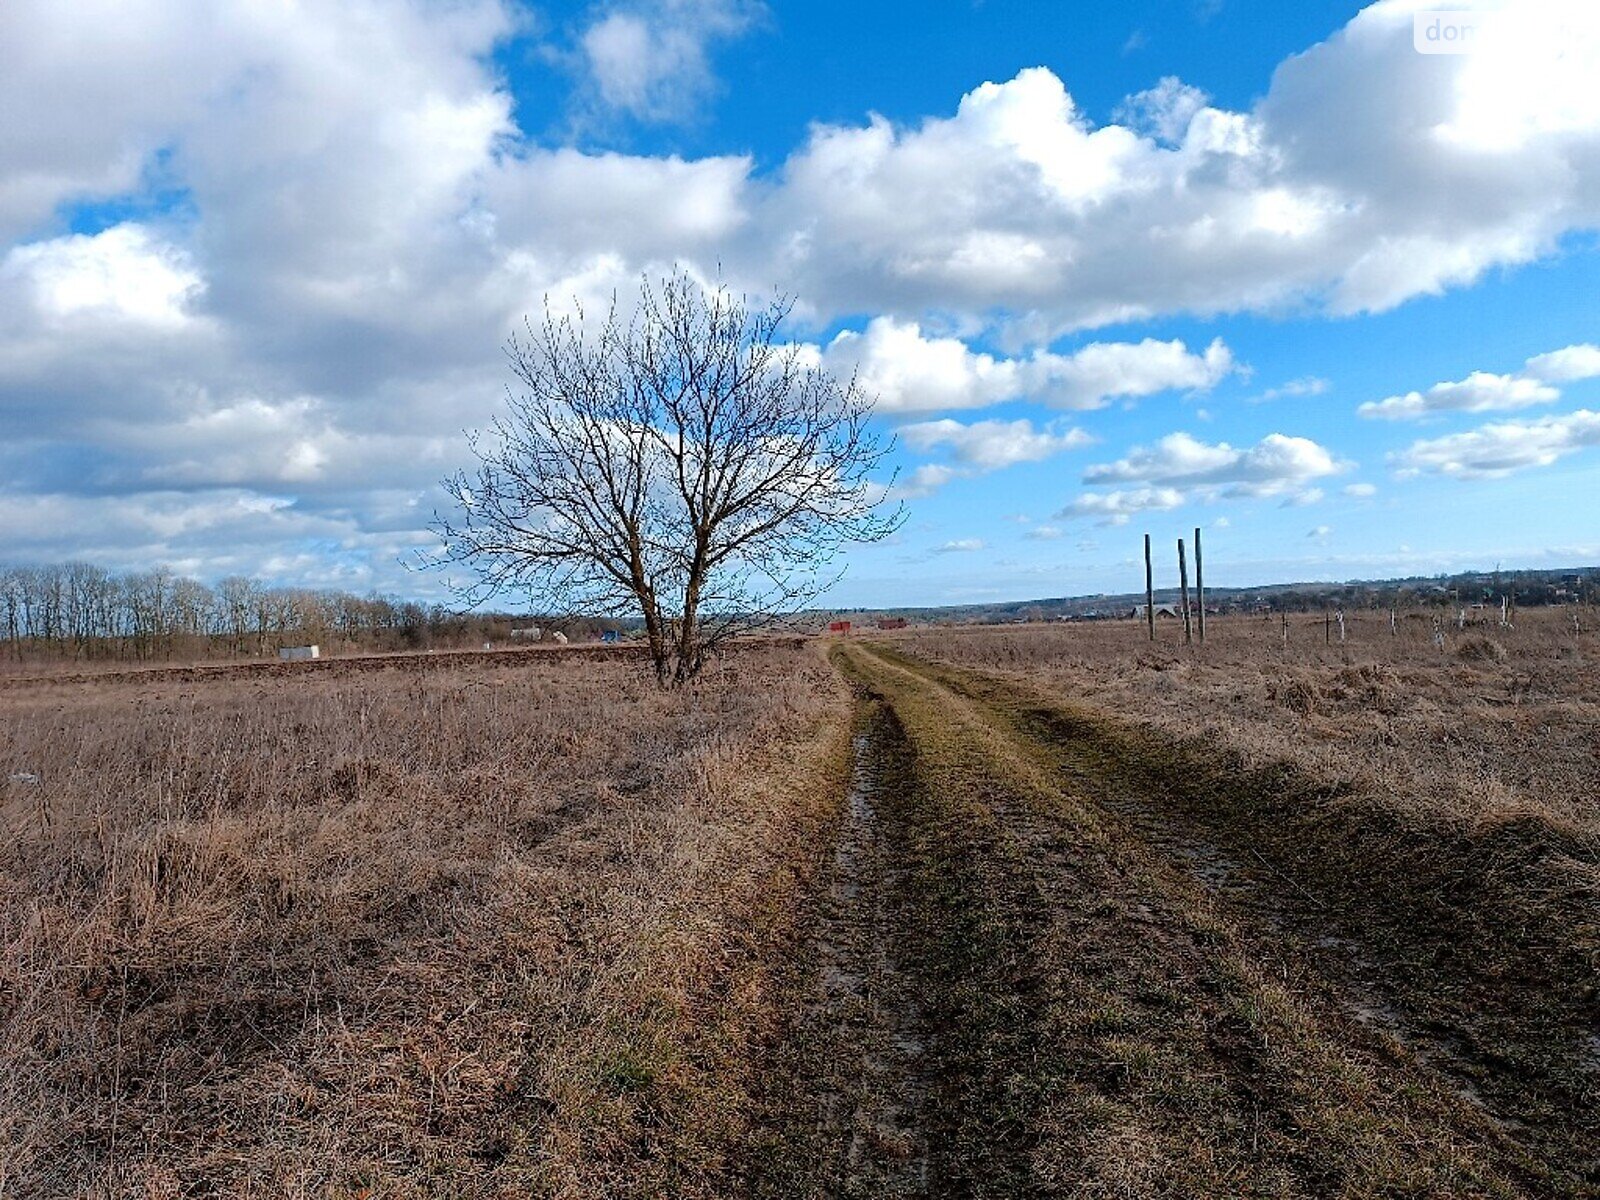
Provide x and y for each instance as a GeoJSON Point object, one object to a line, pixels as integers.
{"type": "Point", "coordinates": [1183, 584]}
{"type": "Point", "coordinates": [1149, 589]}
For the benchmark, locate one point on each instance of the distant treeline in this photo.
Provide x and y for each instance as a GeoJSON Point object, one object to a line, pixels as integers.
{"type": "Point", "coordinates": [81, 611]}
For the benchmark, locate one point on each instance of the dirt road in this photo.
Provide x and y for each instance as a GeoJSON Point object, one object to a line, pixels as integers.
{"type": "Point", "coordinates": [1034, 974]}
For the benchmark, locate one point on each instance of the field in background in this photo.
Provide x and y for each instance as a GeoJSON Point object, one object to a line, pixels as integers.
{"type": "Point", "coordinates": [1495, 724]}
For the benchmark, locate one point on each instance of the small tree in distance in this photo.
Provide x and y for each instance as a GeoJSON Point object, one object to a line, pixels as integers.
{"type": "Point", "coordinates": [688, 467]}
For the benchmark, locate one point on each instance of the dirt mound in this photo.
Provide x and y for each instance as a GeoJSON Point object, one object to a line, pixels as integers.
{"type": "Point", "coordinates": [1297, 694]}
{"type": "Point", "coordinates": [1481, 649]}
{"type": "Point", "coordinates": [1372, 685]}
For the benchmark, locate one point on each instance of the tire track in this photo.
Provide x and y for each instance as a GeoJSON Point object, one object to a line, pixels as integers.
{"type": "Point", "coordinates": [857, 1067]}
{"type": "Point", "coordinates": [1514, 1072]}
{"type": "Point", "coordinates": [1091, 1018]}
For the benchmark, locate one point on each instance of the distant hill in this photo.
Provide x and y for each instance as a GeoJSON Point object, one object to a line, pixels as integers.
{"type": "Point", "coordinates": [1567, 585]}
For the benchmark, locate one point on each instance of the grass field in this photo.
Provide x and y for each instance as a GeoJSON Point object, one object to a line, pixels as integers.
{"type": "Point", "coordinates": [1005, 911]}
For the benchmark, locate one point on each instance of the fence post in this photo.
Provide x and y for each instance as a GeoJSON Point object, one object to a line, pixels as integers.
{"type": "Point", "coordinates": [1183, 584]}
{"type": "Point", "coordinates": [1199, 585]}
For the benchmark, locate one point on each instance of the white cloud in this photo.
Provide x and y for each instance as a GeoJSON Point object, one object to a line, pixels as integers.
{"type": "Point", "coordinates": [1501, 449]}
{"type": "Point", "coordinates": [962, 546]}
{"type": "Point", "coordinates": [1568, 365]}
{"type": "Point", "coordinates": [1303, 499]}
{"type": "Point", "coordinates": [1478, 392]}
{"type": "Point", "coordinates": [992, 445]}
{"type": "Point", "coordinates": [1360, 491]}
{"type": "Point", "coordinates": [123, 274]}
{"type": "Point", "coordinates": [1276, 464]}
{"type": "Point", "coordinates": [909, 371]}
{"type": "Point", "coordinates": [924, 481]}
{"type": "Point", "coordinates": [361, 221]}
{"type": "Point", "coordinates": [650, 60]}
{"type": "Point", "coordinates": [1366, 175]}
{"type": "Point", "coordinates": [1309, 385]}
{"type": "Point", "coordinates": [1116, 507]}
{"type": "Point", "coordinates": [1485, 392]}
{"type": "Point", "coordinates": [1045, 533]}
{"type": "Point", "coordinates": [1164, 111]}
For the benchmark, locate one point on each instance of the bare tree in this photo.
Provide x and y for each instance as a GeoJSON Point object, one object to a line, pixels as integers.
{"type": "Point", "coordinates": [689, 467]}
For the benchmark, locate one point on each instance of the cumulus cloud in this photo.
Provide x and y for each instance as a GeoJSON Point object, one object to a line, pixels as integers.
{"type": "Point", "coordinates": [991, 445]}
{"type": "Point", "coordinates": [1433, 172]}
{"type": "Point", "coordinates": [909, 371]}
{"type": "Point", "coordinates": [335, 220]}
{"type": "Point", "coordinates": [1485, 392]}
{"type": "Point", "coordinates": [122, 274]}
{"type": "Point", "coordinates": [1164, 111]}
{"type": "Point", "coordinates": [1116, 507]}
{"type": "Point", "coordinates": [962, 546]}
{"type": "Point", "coordinates": [650, 60]}
{"type": "Point", "coordinates": [1500, 449]}
{"type": "Point", "coordinates": [1309, 385]}
{"type": "Point", "coordinates": [1180, 469]}
{"type": "Point", "coordinates": [978, 448]}
{"type": "Point", "coordinates": [923, 481]}
{"type": "Point", "coordinates": [1568, 365]}
{"type": "Point", "coordinates": [1276, 464]}
{"type": "Point", "coordinates": [1478, 392]}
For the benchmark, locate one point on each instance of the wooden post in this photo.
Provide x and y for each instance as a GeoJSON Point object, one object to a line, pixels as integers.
{"type": "Point", "coordinates": [1327, 627]}
{"type": "Point", "coordinates": [1183, 584]}
{"type": "Point", "coordinates": [1286, 633]}
{"type": "Point", "coordinates": [1149, 589]}
{"type": "Point", "coordinates": [1200, 585]}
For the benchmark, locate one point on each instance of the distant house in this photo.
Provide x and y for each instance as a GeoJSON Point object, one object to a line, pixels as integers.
{"type": "Point", "coordinates": [892, 623]}
{"type": "Point", "coordinates": [531, 632]}
{"type": "Point", "coordinates": [838, 626]}
{"type": "Point", "coordinates": [1162, 610]}
{"type": "Point", "coordinates": [299, 653]}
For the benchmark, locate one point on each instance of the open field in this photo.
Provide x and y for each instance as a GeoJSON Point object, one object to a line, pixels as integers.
{"type": "Point", "coordinates": [458, 931]}
{"type": "Point", "coordinates": [1003, 911]}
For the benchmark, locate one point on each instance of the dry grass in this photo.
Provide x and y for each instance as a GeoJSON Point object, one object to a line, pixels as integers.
{"type": "Point", "coordinates": [1433, 812]}
{"type": "Point", "coordinates": [1496, 723]}
{"type": "Point", "coordinates": [428, 930]}
{"type": "Point", "coordinates": [1100, 1023]}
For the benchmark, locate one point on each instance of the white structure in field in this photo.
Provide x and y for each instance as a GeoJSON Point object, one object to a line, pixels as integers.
{"type": "Point", "coordinates": [531, 632]}
{"type": "Point", "coordinates": [1162, 610]}
{"type": "Point", "coordinates": [560, 637]}
{"type": "Point", "coordinates": [299, 653]}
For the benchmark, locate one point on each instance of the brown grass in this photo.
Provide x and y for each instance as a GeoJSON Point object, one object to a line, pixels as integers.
{"type": "Point", "coordinates": [1469, 732]}
{"type": "Point", "coordinates": [1432, 816]}
{"type": "Point", "coordinates": [1102, 1022]}
{"type": "Point", "coordinates": [425, 930]}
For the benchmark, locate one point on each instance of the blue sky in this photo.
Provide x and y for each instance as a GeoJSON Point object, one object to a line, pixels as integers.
{"type": "Point", "coordinates": [1110, 269]}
